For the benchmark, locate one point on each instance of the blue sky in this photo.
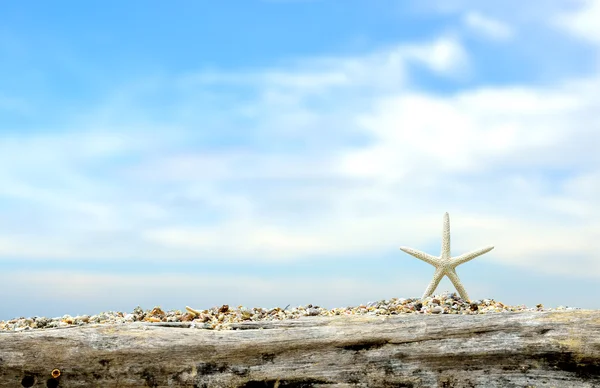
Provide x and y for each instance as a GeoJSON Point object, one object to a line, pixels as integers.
{"type": "Point", "coordinates": [279, 152]}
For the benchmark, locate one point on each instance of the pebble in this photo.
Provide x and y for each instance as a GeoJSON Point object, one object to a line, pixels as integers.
{"type": "Point", "coordinates": [221, 317]}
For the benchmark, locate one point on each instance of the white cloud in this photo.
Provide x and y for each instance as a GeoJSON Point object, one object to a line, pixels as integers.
{"type": "Point", "coordinates": [513, 10]}
{"type": "Point", "coordinates": [483, 24]}
{"type": "Point", "coordinates": [383, 68]}
{"type": "Point", "coordinates": [446, 55]}
{"type": "Point", "coordinates": [301, 185]}
{"type": "Point", "coordinates": [582, 22]}
{"type": "Point", "coordinates": [426, 154]}
{"type": "Point", "coordinates": [473, 130]}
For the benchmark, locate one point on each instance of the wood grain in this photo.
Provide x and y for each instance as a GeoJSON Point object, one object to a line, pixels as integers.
{"type": "Point", "coordinates": [536, 349]}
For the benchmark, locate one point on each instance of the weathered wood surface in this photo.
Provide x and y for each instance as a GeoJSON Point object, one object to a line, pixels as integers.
{"type": "Point", "coordinates": [537, 349]}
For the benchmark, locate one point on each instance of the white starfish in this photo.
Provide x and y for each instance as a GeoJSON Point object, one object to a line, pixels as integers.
{"type": "Point", "coordinates": [445, 264]}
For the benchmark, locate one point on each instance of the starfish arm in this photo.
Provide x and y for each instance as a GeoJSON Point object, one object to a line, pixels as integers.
{"type": "Point", "coordinates": [458, 285]}
{"type": "Point", "coordinates": [446, 237]}
{"type": "Point", "coordinates": [421, 255]}
{"type": "Point", "coordinates": [470, 256]}
{"type": "Point", "coordinates": [437, 277]}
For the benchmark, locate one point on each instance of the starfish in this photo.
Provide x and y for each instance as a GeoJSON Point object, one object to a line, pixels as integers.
{"type": "Point", "coordinates": [445, 265]}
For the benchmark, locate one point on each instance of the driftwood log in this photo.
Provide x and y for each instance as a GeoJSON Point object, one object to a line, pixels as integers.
{"type": "Point", "coordinates": [535, 349]}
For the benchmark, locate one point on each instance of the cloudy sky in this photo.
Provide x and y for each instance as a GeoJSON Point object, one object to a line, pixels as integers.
{"type": "Point", "coordinates": [275, 152]}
